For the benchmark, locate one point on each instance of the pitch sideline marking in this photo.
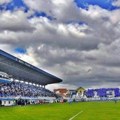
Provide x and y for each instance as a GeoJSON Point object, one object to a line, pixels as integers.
{"type": "Point", "coordinates": [75, 115]}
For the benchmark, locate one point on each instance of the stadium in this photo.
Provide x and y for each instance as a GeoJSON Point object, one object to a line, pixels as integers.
{"type": "Point", "coordinates": [21, 83]}
{"type": "Point", "coordinates": [23, 94]}
{"type": "Point", "coordinates": [59, 59]}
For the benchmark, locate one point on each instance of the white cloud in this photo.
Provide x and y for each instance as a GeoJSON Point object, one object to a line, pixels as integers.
{"type": "Point", "coordinates": [14, 21]}
{"type": "Point", "coordinates": [116, 3]}
{"type": "Point", "coordinates": [5, 1]}
{"type": "Point", "coordinates": [82, 54]}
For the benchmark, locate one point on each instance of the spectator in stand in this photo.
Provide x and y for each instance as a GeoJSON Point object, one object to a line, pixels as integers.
{"type": "Point", "coordinates": [16, 89]}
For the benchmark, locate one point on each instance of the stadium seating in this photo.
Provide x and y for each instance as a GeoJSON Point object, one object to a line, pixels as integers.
{"type": "Point", "coordinates": [103, 92]}
{"type": "Point", "coordinates": [16, 89]}
{"type": "Point", "coordinates": [117, 92]}
{"type": "Point", "coordinates": [89, 93]}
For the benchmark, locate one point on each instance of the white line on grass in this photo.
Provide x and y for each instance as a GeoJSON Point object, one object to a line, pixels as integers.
{"type": "Point", "coordinates": [75, 115]}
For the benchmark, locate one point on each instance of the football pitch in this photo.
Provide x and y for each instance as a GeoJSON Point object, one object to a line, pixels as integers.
{"type": "Point", "coordinates": [63, 111]}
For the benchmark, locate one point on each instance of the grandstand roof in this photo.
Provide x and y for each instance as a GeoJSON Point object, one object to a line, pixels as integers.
{"type": "Point", "coordinates": [24, 71]}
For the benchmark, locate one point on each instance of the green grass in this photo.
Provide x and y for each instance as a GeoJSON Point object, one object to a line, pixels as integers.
{"type": "Point", "coordinates": [63, 111]}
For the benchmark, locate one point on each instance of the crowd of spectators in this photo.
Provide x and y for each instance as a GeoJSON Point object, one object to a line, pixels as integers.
{"type": "Point", "coordinates": [103, 92]}
{"type": "Point", "coordinates": [18, 89]}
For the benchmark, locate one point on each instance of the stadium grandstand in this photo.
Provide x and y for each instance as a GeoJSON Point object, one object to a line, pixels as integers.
{"type": "Point", "coordinates": [82, 94]}
{"type": "Point", "coordinates": [103, 94]}
{"type": "Point", "coordinates": [99, 94]}
{"type": "Point", "coordinates": [23, 83]}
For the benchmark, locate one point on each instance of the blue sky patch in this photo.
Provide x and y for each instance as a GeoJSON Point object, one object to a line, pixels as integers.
{"type": "Point", "coordinates": [105, 4]}
{"type": "Point", "coordinates": [14, 4]}
{"type": "Point", "coordinates": [78, 22]}
{"type": "Point", "coordinates": [17, 4]}
{"type": "Point", "coordinates": [43, 14]}
{"type": "Point", "coordinates": [20, 50]}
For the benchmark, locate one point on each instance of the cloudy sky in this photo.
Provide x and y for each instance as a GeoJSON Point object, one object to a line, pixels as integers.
{"type": "Point", "coordinates": [76, 40]}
